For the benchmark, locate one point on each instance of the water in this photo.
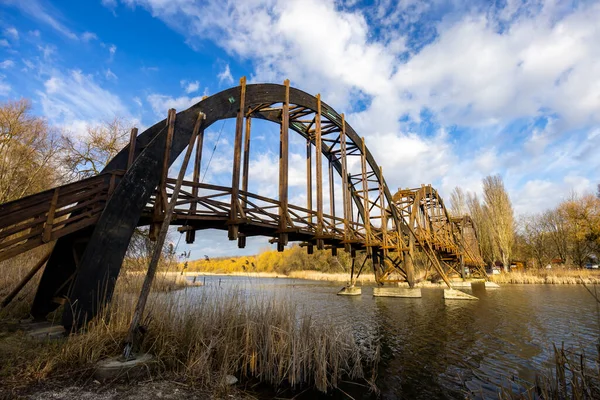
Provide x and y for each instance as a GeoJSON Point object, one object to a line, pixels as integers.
{"type": "Point", "coordinates": [436, 348]}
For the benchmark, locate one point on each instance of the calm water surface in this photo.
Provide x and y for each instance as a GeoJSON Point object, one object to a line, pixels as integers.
{"type": "Point", "coordinates": [436, 348]}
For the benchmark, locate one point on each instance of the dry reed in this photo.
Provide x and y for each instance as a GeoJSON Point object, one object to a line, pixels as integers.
{"type": "Point", "coordinates": [553, 277]}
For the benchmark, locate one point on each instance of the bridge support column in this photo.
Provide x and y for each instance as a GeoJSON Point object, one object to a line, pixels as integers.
{"type": "Point", "coordinates": [409, 267]}
{"type": "Point", "coordinates": [235, 207]}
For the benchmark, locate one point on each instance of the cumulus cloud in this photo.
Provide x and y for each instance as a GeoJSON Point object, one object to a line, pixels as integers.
{"type": "Point", "coordinates": [75, 96]}
{"type": "Point", "coordinates": [162, 103]}
{"type": "Point", "coordinates": [12, 32]}
{"type": "Point", "coordinates": [473, 75]}
{"type": "Point", "coordinates": [7, 64]}
{"type": "Point", "coordinates": [190, 87]}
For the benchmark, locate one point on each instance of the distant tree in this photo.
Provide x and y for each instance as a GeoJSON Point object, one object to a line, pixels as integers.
{"type": "Point", "coordinates": [28, 150]}
{"type": "Point", "coordinates": [500, 214]}
{"type": "Point", "coordinates": [86, 155]}
{"type": "Point", "coordinates": [582, 215]}
{"type": "Point", "coordinates": [458, 202]}
{"type": "Point", "coordinates": [535, 240]}
{"type": "Point", "coordinates": [482, 223]}
{"type": "Point", "coordinates": [556, 227]}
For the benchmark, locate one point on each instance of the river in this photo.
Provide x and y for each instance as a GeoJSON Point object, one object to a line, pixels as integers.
{"type": "Point", "coordinates": [436, 348]}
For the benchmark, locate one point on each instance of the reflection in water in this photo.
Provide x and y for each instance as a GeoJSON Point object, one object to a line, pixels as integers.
{"type": "Point", "coordinates": [432, 348]}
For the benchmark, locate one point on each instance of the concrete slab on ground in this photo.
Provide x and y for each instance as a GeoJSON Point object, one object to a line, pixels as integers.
{"type": "Point", "coordinates": [396, 292]}
{"type": "Point", "coordinates": [48, 332]}
{"type": "Point", "coordinates": [492, 285]}
{"type": "Point", "coordinates": [114, 367]}
{"type": "Point", "coordinates": [350, 291]}
{"type": "Point", "coordinates": [453, 294]}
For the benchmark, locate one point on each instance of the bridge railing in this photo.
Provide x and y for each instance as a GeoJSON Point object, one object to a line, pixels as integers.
{"type": "Point", "coordinates": [44, 217]}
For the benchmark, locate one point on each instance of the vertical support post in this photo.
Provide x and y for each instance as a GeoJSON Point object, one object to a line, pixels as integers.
{"type": "Point", "coordinates": [245, 171]}
{"type": "Point", "coordinates": [47, 234]}
{"type": "Point", "coordinates": [346, 198]}
{"type": "Point", "coordinates": [409, 267]}
{"type": "Point", "coordinates": [132, 139]}
{"type": "Point", "coordinates": [161, 193]}
{"type": "Point", "coordinates": [384, 237]}
{"type": "Point", "coordinates": [309, 248]}
{"type": "Point", "coordinates": [331, 193]}
{"type": "Point", "coordinates": [319, 177]}
{"type": "Point", "coordinates": [190, 235]}
{"type": "Point", "coordinates": [462, 248]}
{"type": "Point", "coordinates": [283, 169]}
{"type": "Point", "coordinates": [156, 253]}
{"type": "Point", "coordinates": [365, 187]}
{"type": "Point", "coordinates": [237, 154]}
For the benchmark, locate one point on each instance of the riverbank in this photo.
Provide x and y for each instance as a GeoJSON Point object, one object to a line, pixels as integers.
{"type": "Point", "coordinates": [265, 340]}
{"type": "Point", "coordinates": [302, 274]}
{"type": "Point", "coordinates": [550, 277]}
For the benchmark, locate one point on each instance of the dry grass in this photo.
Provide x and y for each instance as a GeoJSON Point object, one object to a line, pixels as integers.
{"type": "Point", "coordinates": [553, 277]}
{"type": "Point", "coordinates": [334, 277]}
{"type": "Point", "coordinates": [203, 338]}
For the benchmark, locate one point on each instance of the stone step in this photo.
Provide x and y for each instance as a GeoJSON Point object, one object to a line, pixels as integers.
{"type": "Point", "coordinates": [396, 292]}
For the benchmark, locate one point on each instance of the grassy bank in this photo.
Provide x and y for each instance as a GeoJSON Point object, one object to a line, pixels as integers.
{"type": "Point", "coordinates": [553, 277]}
{"type": "Point", "coordinates": [197, 339]}
{"type": "Point", "coordinates": [342, 277]}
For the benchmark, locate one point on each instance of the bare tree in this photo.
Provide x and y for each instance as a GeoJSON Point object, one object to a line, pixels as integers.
{"type": "Point", "coordinates": [556, 227]}
{"type": "Point", "coordinates": [458, 202]}
{"type": "Point", "coordinates": [478, 214]}
{"type": "Point", "coordinates": [87, 155]}
{"type": "Point", "coordinates": [28, 149]}
{"type": "Point", "coordinates": [536, 239]}
{"type": "Point", "coordinates": [500, 214]}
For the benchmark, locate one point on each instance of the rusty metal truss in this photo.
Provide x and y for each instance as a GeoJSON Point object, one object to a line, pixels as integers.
{"type": "Point", "coordinates": [92, 220]}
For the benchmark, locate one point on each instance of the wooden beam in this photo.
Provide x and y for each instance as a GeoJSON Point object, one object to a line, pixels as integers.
{"type": "Point", "coordinates": [190, 235]}
{"type": "Point", "coordinates": [6, 301]}
{"type": "Point", "coordinates": [283, 168]}
{"type": "Point", "coordinates": [47, 235]}
{"type": "Point", "coordinates": [319, 172]}
{"type": "Point", "coordinates": [132, 139]}
{"type": "Point", "coordinates": [234, 212]}
{"type": "Point", "coordinates": [245, 172]}
{"type": "Point", "coordinates": [157, 252]}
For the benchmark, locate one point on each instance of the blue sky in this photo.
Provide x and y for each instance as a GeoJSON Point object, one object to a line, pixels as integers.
{"type": "Point", "coordinates": [445, 92]}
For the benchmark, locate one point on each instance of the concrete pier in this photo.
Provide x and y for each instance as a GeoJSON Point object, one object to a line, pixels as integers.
{"type": "Point", "coordinates": [396, 292]}
{"type": "Point", "coordinates": [453, 294]}
{"type": "Point", "coordinates": [350, 291]}
{"type": "Point", "coordinates": [491, 285]}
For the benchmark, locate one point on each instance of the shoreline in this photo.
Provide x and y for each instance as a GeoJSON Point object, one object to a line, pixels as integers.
{"type": "Point", "coordinates": [517, 278]}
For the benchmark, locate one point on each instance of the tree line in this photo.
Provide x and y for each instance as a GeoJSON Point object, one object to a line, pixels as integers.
{"type": "Point", "coordinates": [566, 235]}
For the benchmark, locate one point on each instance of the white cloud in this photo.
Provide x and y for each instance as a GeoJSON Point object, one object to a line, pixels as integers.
{"type": "Point", "coordinates": [4, 87]}
{"type": "Point", "coordinates": [137, 101]}
{"type": "Point", "coordinates": [12, 32]}
{"type": "Point", "coordinates": [109, 3]}
{"type": "Point", "coordinates": [35, 33]}
{"type": "Point", "coordinates": [162, 103]}
{"type": "Point", "coordinates": [482, 69]}
{"type": "Point", "coordinates": [110, 75]}
{"type": "Point", "coordinates": [88, 36]}
{"type": "Point", "coordinates": [7, 64]}
{"type": "Point", "coordinates": [112, 49]}
{"type": "Point", "coordinates": [225, 75]}
{"type": "Point", "coordinates": [42, 13]}
{"type": "Point", "coordinates": [4, 43]}
{"type": "Point", "coordinates": [75, 96]}
{"type": "Point", "coordinates": [190, 87]}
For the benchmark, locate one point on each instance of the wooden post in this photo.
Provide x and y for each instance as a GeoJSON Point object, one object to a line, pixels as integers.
{"type": "Point", "coordinates": [245, 172]}
{"type": "Point", "coordinates": [283, 169]}
{"type": "Point", "coordinates": [156, 253]}
{"type": "Point", "coordinates": [190, 234]}
{"type": "Point", "coordinates": [319, 171]}
{"type": "Point", "coordinates": [6, 301]}
{"type": "Point", "coordinates": [365, 185]}
{"type": "Point", "coordinates": [331, 193]}
{"type": "Point", "coordinates": [47, 234]}
{"type": "Point", "coordinates": [346, 199]}
{"type": "Point", "coordinates": [237, 156]}
{"type": "Point", "coordinates": [132, 139]}
{"type": "Point", "coordinates": [384, 238]}
{"type": "Point", "coordinates": [161, 192]}
{"type": "Point", "coordinates": [309, 248]}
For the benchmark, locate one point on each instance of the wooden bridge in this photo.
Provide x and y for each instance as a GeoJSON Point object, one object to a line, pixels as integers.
{"type": "Point", "coordinates": [91, 221]}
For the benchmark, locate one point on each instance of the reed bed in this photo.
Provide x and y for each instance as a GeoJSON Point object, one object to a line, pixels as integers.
{"type": "Point", "coordinates": [202, 339]}
{"type": "Point", "coordinates": [553, 277]}
{"type": "Point", "coordinates": [572, 376]}
{"type": "Point", "coordinates": [333, 277]}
